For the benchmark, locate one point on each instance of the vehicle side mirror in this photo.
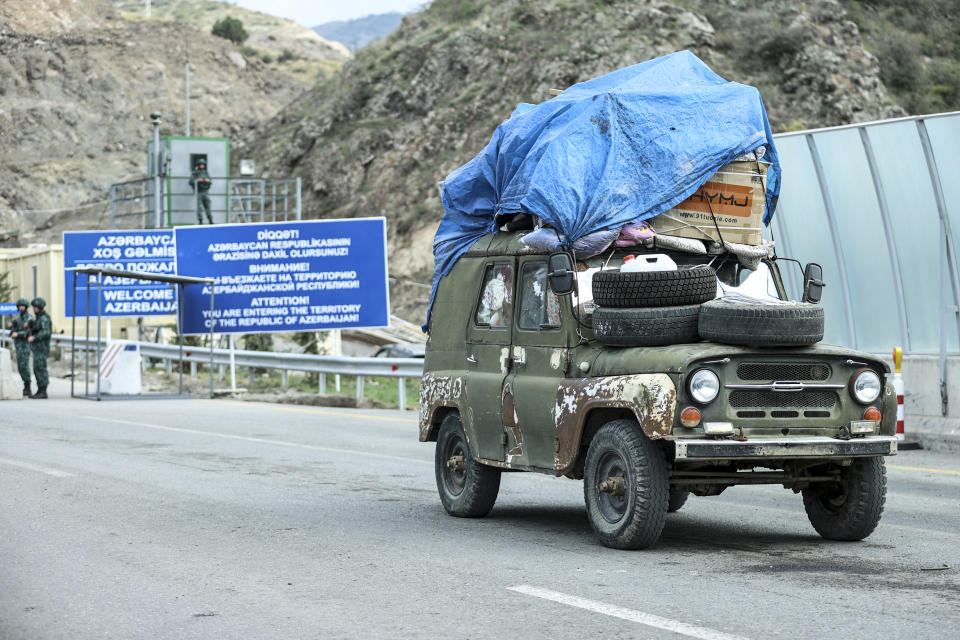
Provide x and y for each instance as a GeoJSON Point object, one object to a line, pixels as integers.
{"type": "Point", "coordinates": [561, 274]}
{"type": "Point", "coordinates": [813, 283]}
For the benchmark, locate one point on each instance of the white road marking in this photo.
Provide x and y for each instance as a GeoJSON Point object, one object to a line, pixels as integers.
{"type": "Point", "coordinates": [650, 620]}
{"type": "Point", "coordinates": [279, 443]}
{"type": "Point", "coordinates": [56, 473]}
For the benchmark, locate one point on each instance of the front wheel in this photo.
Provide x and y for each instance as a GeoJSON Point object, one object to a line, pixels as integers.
{"type": "Point", "coordinates": [467, 488]}
{"type": "Point", "coordinates": [626, 486]}
{"type": "Point", "coordinates": [850, 508]}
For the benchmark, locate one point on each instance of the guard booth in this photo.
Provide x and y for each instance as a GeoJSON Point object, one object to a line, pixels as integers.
{"type": "Point", "coordinates": [178, 157]}
{"type": "Point", "coordinates": [243, 198]}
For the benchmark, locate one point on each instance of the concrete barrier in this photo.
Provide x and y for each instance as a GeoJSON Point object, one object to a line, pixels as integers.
{"type": "Point", "coordinates": [11, 386]}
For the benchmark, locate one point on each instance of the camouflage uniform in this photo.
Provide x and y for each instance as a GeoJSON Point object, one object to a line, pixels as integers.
{"type": "Point", "coordinates": [40, 345]}
{"type": "Point", "coordinates": [200, 181]}
{"type": "Point", "coordinates": [20, 326]}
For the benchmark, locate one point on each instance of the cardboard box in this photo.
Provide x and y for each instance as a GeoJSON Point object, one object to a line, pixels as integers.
{"type": "Point", "coordinates": [733, 199]}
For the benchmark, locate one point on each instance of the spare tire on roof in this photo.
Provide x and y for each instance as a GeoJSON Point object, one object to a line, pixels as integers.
{"type": "Point", "coordinates": [646, 327]}
{"type": "Point", "coordinates": [685, 286]}
{"type": "Point", "coordinates": [787, 324]}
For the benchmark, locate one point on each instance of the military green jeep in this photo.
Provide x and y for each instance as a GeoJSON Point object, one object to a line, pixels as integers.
{"type": "Point", "coordinates": [514, 379]}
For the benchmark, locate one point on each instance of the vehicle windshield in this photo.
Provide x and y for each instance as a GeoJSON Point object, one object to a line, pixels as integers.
{"type": "Point", "coordinates": [731, 275]}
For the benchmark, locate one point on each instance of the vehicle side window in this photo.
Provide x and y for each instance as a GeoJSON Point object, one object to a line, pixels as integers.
{"type": "Point", "coordinates": [496, 297]}
{"type": "Point", "coordinates": [539, 306]}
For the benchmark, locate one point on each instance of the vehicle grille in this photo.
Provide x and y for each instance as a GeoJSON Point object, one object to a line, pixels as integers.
{"type": "Point", "coordinates": [772, 371]}
{"type": "Point", "coordinates": [774, 399]}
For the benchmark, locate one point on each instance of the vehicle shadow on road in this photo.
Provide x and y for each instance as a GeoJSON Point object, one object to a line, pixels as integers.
{"type": "Point", "coordinates": [557, 519]}
{"type": "Point", "coordinates": [707, 534]}
{"type": "Point", "coordinates": [696, 533]}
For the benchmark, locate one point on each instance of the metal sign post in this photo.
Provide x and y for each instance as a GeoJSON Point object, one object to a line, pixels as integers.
{"type": "Point", "coordinates": [233, 364]}
{"type": "Point", "coordinates": [100, 272]}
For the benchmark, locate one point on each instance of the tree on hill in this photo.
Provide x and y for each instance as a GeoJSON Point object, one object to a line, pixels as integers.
{"type": "Point", "coordinates": [231, 29]}
{"type": "Point", "coordinates": [6, 289]}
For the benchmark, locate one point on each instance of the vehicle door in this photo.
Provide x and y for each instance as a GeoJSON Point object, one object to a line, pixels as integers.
{"type": "Point", "coordinates": [538, 355]}
{"type": "Point", "coordinates": [488, 357]}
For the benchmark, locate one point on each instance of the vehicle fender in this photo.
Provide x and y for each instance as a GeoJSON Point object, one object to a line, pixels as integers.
{"type": "Point", "coordinates": [651, 397]}
{"type": "Point", "coordinates": [439, 394]}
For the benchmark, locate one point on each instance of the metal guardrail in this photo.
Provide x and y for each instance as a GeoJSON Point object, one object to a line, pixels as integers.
{"type": "Point", "coordinates": [399, 368]}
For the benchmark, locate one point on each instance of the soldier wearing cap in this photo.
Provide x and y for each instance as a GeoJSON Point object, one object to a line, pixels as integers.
{"type": "Point", "coordinates": [40, 345]}
{"type": "Point", "coordinates": [20, 331]}
{"type": "Point", "coordinates": [200, 181]}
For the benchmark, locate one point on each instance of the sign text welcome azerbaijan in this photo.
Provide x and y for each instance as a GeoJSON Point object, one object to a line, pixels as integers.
{"type": "Point", "coordinates": [286, 276]}
{"type": "Point", "coordinates": [143, 251]}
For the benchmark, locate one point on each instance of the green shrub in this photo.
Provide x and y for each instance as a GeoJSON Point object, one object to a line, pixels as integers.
{"type": "Point", "coordinates": [945, 78]}
{"type": "Point", "coordinates": [900, 66]}
{"type": "Point", "coordinates": [258, 342]}
{"type": "Point", "coordinates": [308, 341]}
{"type": "Point", "coordinates": [231, 29]}
{"type": "Point", "coordinates": [267, 58]}
{"type": "Point", "coordinates": [286, 56]}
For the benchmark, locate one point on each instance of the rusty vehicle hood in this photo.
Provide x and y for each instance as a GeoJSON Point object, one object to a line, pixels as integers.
{"type": "Point", "coordinates": [606, 361]}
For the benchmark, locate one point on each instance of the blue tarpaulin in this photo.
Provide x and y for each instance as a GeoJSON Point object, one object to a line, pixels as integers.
{"type": "Point", "coordinates": [617, 149]}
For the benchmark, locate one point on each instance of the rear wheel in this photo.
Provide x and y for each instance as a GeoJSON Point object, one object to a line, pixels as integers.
{"type": "Point", "coordinates": [678, 498]}
{"type": "Point", "coordinates": [625, 486]}
{"type": "Point", "coordinates": [849, 509]}
{"type": "Point", "coordinates": [468, 489]}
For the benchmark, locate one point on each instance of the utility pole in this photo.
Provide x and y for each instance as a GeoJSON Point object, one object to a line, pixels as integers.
{"type": "Point", "coordinates": [155, 119]}
{"type": "Point", "coordinates": [148, 8]}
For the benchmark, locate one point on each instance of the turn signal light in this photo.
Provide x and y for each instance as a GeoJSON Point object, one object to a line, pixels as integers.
{"type": "Point", "coordinates": [872, 414]}
{"type": "Point", "coordinates": [690, 417]}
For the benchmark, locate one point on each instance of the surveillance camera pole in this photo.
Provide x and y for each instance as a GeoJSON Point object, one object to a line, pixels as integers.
{"type": "Point", "coordinates": [155, 119]}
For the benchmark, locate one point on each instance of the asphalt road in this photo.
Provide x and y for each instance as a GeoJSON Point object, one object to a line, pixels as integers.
{"type": "Point", "coordinates": [220, 519]}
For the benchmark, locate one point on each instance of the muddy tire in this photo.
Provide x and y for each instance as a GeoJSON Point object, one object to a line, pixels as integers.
{"type": "Point", "coordinates": [625, 486]}
{"type": "Point", "coordinates": [467, 488]}
{"type": "Point", "coordinates": [646, 327]}
{"type": "Point", "coordinates": [759, 325]}
{"type": "Point", "coordinates": [678, 498]}
{"type": "Point", "coordinates": [685, 286]}
{"type": "Point", "coordinates": [849, 509]}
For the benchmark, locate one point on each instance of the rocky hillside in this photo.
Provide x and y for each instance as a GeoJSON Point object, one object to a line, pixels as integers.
{"type": "Point", "coordinates": [77, 82]}
{"type": "Point", "coordinates": [377, 138]}
{"type": "Point", "coordinates": [281, 44]}
{"type": "Point", "coordinates": [357, 33]}
{"type": "Point", "coordinates": [918, 45]}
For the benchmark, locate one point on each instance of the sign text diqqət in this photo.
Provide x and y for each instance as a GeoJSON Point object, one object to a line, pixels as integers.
{"type": "Point", "coordinates": [288, 276]}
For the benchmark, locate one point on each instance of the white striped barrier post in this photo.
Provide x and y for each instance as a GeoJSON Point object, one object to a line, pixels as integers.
{"type": "Point", "coordinates": [898, 389]}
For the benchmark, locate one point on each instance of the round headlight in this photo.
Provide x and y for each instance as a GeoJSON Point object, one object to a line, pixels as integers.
{"type": "Point", "coordinates": [866, 386]}
{"type": "Point", "coordinates": [704, 386]}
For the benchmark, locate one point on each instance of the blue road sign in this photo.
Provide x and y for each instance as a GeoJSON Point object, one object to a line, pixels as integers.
{"type": "Point", "coordinates": [286, 276]}
{"type": "Point", "coordinates": [8, 309]}
{"type": "Point", "coordinates": [144, 251]}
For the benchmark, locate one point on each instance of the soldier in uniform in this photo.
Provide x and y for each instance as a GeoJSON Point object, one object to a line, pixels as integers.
{"type": "Point", "coordinates": [200, 181]}
{"type": "Point", "coordinates": [20, 331]}
{"type": "Point", "coordinates": [40, 345]}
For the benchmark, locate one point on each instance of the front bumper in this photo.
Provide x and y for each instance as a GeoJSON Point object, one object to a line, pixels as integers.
{"type": "Point", "coordinates": [784, 448]}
